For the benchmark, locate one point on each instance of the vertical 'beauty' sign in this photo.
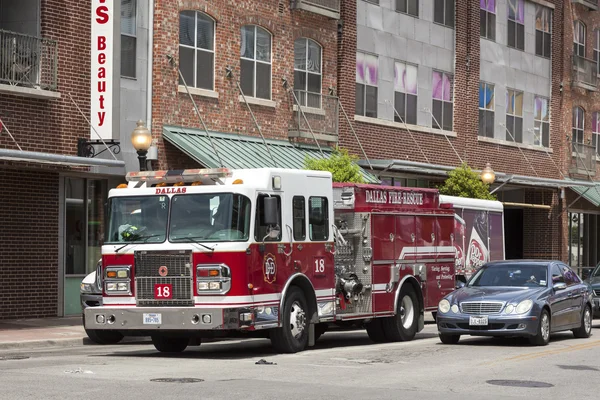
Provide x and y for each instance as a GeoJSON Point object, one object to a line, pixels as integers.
{"type": "Point", "coordinates": [102, 68]}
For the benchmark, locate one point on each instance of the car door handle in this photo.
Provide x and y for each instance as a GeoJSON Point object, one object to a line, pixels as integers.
{"type": "Point", "coordinates": [571, 294]}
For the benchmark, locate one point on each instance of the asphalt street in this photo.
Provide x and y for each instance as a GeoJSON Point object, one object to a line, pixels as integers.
{"type": "Point", "coordinates": [343, 365]}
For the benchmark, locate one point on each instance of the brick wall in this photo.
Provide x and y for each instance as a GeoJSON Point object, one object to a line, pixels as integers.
{"type": "Point", "coordinates": [227, 113]}
{"type": "Point", "coordinates": [29, 243]}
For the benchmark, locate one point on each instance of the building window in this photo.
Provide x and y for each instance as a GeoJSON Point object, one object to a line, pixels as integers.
{"type": "Point", "coordinates": [410, 7]}
{"type": "Point", "coordinates": [255, 63]}
{"type": "Point", "coordinates": [597, 50]}
{"type": "Point", "coordinates": [514, 116]}
{"type": "Point", "coordinates": [579, 39]}
{"type": "Point", "coordinates": [442, 101]}
{"type": "Point", "coordinates": [128, 38]}
{"type": "Point", "coordinates": [443, 12]}
{"type": "Point", "coordinates": [487, 19]}
{"type": "Point", "coordinates": [516, 24]}
{"type": "Point", "coordinates": [541, 122]}
{"type": "Point", "coordinates": [543, 28]}
{"type": "Point", "coordinates": [596, 131]}
{"type": "Point", "coordinates": [196, 49]}
{"type": "Point", "coordinates": [307, 72]}
{"type": "Point", "coordinates": [366, 85]}
{"type": "Point", "coordinates": [486, 110]}
{"type": "Point", "coordinates": [405, 93]}
{"type": "Point", "coordinates": [578, 125]}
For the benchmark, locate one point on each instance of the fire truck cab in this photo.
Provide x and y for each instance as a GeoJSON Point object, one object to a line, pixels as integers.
{"type": "Point", "coordinates": [275, 253]}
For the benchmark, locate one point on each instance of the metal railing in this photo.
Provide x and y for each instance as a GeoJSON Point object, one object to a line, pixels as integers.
{"type": "Point", "coordinates": [316, 113]}
{"type": "Point", "coordinates": [593, 4]}
{"type": "Point", "coordinates": [584, 159]}
{"type": "Point", "coordinates": [28, 61]}
{"type": "Point", "coordinates": [585, 73]}
{"type": "Point", "coordinates": [329, 6]}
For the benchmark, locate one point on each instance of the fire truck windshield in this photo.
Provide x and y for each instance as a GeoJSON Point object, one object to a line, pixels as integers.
{"type": "Point", "coordinates": [138, 219]}
{"type": "Point", "coordinates": [210, 217]}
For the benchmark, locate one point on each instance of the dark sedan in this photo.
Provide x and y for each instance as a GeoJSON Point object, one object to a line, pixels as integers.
{"type": "Point", "coordinates": [518, 298]}
{"type": "Point", "coordinates": [594, 281]}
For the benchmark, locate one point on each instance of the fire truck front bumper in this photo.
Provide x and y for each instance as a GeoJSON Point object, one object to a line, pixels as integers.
{"type": "Point", "coordinates": [167, 318]}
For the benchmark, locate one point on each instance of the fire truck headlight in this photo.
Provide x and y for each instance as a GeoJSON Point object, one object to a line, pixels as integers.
{"type": "Point", "coordinates": [444, 306]}
{"type": "Point", "coordinates": [86, 288]}
{"type": "Point", "coordinates": [111, 286]}
{"type": "Point", "coordinates": [202, 285]}
{"type": "Point", "coordinates": [123, 286]}
{"type": "Point", "coordinates": [214, 285]}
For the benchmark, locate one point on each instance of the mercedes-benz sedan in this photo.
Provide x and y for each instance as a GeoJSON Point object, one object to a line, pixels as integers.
{"type": "Point", "coordinates": [518, 298]}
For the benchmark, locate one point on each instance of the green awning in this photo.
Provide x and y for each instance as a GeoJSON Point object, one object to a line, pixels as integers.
{"type": "Point", "coordinates": [240, 151]}
{"type": "Point", "coordinates": [591, 194]}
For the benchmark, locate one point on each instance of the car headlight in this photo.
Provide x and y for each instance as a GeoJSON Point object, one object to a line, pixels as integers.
{"type": "Point", "coordinates": [454, 308]}
{"type": "Point", "coordinates": [86, 288]}
{"type": "Point", "coordinates": [524, 306]}
{"type": "Point", "coordinates": [444, 306]}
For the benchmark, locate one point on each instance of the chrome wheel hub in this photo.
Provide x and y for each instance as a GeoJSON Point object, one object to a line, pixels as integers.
{"type": "Point", "coordinates": [587, 320]}
{"type": "Point", "coordinates": [545, 326]}
{"type": "Point", "coordinates": [407, 312]}
{"type": "Point", "coordinates": [297, 320]}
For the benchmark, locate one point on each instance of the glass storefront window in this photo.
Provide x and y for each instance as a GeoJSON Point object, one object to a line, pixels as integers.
{"type": "Point", "coordinates": [75, 226]}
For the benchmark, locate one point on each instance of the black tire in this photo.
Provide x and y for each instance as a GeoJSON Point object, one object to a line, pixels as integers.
{"type": "Point", "coordinates": [101, 336]}
{"type": "Point", "coordinates": [282, 339]}
{"type": "Point", "coordinates": [375, 331]}
{"type": "Point", "coordinates": [585, 329]}
{"type": "Point", "coordinates": [542, 338]}
{"type": "Point", "coordinates": [403, 326]}
{"type": "Point", "coordinates": [320, 329]}
{"type": "Point", "coordinates": [449, 339]}
{"type": "Point", "coordinates": [166, 344]}
{"type": "Point", "coordinates": [434, 315]}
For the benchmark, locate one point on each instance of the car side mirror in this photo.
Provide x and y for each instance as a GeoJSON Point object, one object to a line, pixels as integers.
{"type": "Point", "coordinates": [460, 284]}
{"type": "Point", "coordinates": [559, 286]}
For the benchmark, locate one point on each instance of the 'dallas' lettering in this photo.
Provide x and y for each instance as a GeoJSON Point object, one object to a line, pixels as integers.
{"type": "Point", "coordinates": [170, 190]}
{"type": "Point", "coordinates": [402, 198]}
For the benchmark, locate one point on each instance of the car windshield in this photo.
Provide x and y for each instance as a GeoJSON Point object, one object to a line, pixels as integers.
{"type": "Point", "coordinates": [596, 271]}
{"type": "Point", "coordinates": [210, 217]}
{"type": "Point", "coordinates": [137, 219]}
{"type": "Point", "coordinates": [517, 275]}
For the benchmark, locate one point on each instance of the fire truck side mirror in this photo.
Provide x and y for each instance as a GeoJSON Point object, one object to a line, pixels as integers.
{"type": "Point", "coordinates": [271, 211]}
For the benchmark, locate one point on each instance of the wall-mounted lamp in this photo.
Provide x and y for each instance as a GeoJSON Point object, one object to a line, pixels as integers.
{"type": "Point", "coordinates": [488, 175]}
{"type": "Point", "coordinates": [141, 138]}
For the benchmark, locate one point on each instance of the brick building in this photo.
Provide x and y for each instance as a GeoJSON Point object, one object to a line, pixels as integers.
{"type": "Point", "coordinates": [437, 83]}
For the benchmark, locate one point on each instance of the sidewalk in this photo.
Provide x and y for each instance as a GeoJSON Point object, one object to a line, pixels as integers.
{"type": "Point", "coordinates": [44, 332]}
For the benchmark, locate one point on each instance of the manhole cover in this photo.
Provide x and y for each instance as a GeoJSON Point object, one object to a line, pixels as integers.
{"type": "Point", "coordinates": [177, 380]}
{"type": "Point", "coordinates": [5, 358]}
{"type": "Point", "coordinates": [578, 367]}
{"type": "Point", "coordinates": [528, 384]}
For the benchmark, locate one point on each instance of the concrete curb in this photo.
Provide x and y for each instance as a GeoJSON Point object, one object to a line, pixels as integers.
{"type": "Point", "coordinates": [71, 342]}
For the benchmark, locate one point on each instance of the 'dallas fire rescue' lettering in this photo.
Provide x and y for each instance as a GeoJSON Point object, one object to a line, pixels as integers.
{"type": "Point", "coordinates": [170, 190]}
{"type": "Point", "coordinates": [385, 197]}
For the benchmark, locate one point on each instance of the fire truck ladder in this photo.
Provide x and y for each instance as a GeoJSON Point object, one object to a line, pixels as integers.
{"type": "Point", "coordinates": [229, 74]}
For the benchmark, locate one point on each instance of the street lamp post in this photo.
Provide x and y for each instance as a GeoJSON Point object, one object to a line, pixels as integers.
{"type": "Point", "coordinates": [488, 175]}
{"type": "Point", "coordinates": [141, 138]}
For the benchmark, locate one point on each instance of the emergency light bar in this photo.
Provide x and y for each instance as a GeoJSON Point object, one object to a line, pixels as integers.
{"type": "Point", "coordinates": [180, 175]}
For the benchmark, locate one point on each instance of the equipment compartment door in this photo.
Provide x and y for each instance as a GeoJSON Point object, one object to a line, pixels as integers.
{"type": "Point", "coordinates": [425, 250]}
{"type": "Point", "coordinates": [445, 257]}
{"type": "Point", "coordinates": [383, 231]}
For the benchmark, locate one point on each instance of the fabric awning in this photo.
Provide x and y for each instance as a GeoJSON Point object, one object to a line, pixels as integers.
{"type": "Point", "coordinates": [240, 151]}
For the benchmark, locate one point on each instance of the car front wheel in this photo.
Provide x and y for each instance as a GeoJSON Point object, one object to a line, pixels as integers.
{"type": "Point", "coordinates": [542, 337]}
{"type": "Point", "coordinates": [585, 330]}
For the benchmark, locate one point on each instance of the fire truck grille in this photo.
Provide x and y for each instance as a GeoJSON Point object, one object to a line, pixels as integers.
{"type": "Point", "coordinates": [481, 307]}
{"type": "Point", "coordinates": [177, 269]}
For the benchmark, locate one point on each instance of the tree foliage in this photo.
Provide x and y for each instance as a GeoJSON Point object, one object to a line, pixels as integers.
{"type": "Point", "coordinates": [464, 182]}
{"type": "Point", "coordinates": [341, 164]}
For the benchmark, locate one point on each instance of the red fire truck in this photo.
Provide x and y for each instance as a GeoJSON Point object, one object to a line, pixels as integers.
{"type": "Point", "coordinates": [275, 253]}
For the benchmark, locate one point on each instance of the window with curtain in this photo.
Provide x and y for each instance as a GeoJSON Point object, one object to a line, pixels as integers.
{"type": "Point", "coordinates": [442, 107]}
{"type": "Point", "coordinates": [307, 72]}
{"type": "Point", "coordinates": [405, 93]}
{"type": "Point", "coordinates": [543, 29]}
{"type": "Point", "coordinates": [579, 39]}
{"type": "Point", "coordinates": [514, 116]}
{"type": "Point", "coordinates": [516, 24]}
{"type": "Point", "coordinates": [197, 49]}
{"type": "Point", "coordinates": [128, 38]}
{"type": "Point", "coordinates": [487, 19]}
{"type": "Point", "coordinates": [367, 69]}
{"type": "Point", "coordinates": [255, 62]}
{"type": "Point", "coordinates": [541, 122]}
{"type": "Point", "coordinates": [486, 109]}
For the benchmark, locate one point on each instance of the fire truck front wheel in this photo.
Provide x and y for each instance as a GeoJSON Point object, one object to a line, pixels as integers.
{"type": "Point", "coordinates": [166, 344]}
{"type": "Point", "coordinates": [403, 326]}
{"type": "Point", "coordinates": [292, 337]}
{"type": "Point", "coordinates": [104, 336]}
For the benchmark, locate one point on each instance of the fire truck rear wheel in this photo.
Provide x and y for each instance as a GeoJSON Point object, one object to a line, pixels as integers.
{"type": "Point", "coordinates": [403, 326]}
{"type": "Point", "coordinates": [166, 344]}
{"type": "Point", "coordinates": [104, 337]}
{"type": "Point", "coordinates": [292, 337]}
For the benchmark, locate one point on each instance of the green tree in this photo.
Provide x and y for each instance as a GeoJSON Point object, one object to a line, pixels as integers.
{"type": "Point", "coordinates": [341, 164]}
{"type": "Point", "coordinates": [464, 182]}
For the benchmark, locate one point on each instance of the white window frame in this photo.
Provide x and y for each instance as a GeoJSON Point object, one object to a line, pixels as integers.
{"type": "Point", "coordinates": [550, 13]}
{"type": "Point", "coordinates": [538, 140]}
{"type": "Point", "coordinates": [516, 31]}
{"type": "Point", "coordinates": [487, 13]}
{"type": "Point", "coordinates": [270, 63]}
{"type": "Point", "coordinates": [194, 84]}
{"type": "Point", "coordinates": [493, 110]}
{"type": "Point", "coordinates": [134, 35]}
{"type": "Point", "coordinates": [575, 129]}
{"type": "Point", "coordinates": [579, 44]}
{"type": "Point", "coordinates": [406, 12]}
{"type": "Point", "coordinates": [365, 91]}
{"type": "Point", "coordinates": [445, 16]}
{"type": "Point", "coordinates": [597, 50]}
{"type": "Point", "coordinates": [433, 99]}
{"type": "Point", "coordinates": [307, 72]}
{"type": "Point", "coordinates": [596, 133]}
{"type": "Point", "coordinates": [406, 95]}
{"type": "Point", "coordinates": [510, 94]}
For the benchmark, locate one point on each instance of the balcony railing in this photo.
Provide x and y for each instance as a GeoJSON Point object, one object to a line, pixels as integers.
{"type": "Point", "coordinates": [316, 114]}
{"type": "Point", "coordinates": [28, 61]}
{"type": "Point", "coordinates": [328, 8]}
{"type": "Point", "coordinates": [584, 160]}
{"type": "Point", "coordinates": [585, 73]}
{"type": "Point", "coordinates": [591, 4]}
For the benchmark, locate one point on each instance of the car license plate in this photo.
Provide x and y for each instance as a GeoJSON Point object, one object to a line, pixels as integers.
{"type": "Point", "coordinates": [478, 321]}
{"type": "Point", "coordinates": [152, 319]}
{"type": "Point", "coordinates": [163, 291]}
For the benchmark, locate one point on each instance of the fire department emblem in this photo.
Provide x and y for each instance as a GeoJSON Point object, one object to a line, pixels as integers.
{"type": "Point", "coordinates": [270, 268]}
{"type": "Point", "coordinates": [163, 271]}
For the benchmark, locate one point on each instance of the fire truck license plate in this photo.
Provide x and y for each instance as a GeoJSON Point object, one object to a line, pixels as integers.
{"type": "Point", "coordinates": [163, 291]}
{"type": "Point", "coordinates": [478, 321]}
{"type": "Point", "coordinates": [152, 319]}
